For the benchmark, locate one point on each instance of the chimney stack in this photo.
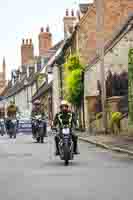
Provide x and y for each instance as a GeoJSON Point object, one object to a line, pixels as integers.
{"type": "Point", "coordinates": [27, 51]}
{"type": "Point", "coordinates": [45, 41]}
{"type": "Point", "coordinates": [69, 23]}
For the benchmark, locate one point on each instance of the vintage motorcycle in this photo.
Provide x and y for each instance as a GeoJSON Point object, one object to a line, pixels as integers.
{"type": "Point", "coordinates": [12, 128]}
{"type": "Point", "coordinates": [38, 123]}
{"type": "Point", "coordinates": [66, 145]}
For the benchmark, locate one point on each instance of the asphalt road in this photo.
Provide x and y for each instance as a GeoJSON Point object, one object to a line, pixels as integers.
{"type": "Point", "coordinates": [29, 171]}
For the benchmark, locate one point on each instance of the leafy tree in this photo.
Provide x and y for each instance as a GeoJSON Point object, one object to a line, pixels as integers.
{"type": "Point", "coordinates": [74, 80]}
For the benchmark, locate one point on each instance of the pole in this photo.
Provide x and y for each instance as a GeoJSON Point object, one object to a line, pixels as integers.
{"type": "Point", "coordinates": [100, 51]}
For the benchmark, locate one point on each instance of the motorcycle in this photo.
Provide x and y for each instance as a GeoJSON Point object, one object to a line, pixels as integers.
{"type": "Point", "coordinates": [38, 124]}
{"type": "Point", "coordinates": [66, 145]}
{"type": "Point", "coordinates": [12, 131]}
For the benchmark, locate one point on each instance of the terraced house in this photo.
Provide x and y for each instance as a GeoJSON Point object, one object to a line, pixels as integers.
{"type": "Point", "coordinates": [26, 79]}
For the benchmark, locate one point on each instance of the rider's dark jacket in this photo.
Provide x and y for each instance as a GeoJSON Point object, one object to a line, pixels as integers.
{"type": "Point", "coordinates": [37, 112]}
{"type": "Point", "coordinates": [65, 118]}
{"type": "Point", "coordinates": [34, 113]}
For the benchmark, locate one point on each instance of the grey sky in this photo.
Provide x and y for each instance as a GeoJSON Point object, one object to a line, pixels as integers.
{"type": "Point", "coordinates": [23, 19]}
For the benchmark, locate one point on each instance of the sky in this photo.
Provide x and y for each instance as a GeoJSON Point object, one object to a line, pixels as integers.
{"type": "Point", "coordinates": [23, 19]}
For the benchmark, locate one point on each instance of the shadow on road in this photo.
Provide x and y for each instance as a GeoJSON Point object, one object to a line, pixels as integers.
{"type": "Point", "coordinates": [59, 163]}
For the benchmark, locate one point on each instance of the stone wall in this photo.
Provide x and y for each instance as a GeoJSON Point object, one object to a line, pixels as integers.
{"type": "Point", "coordinates": [116, 60]}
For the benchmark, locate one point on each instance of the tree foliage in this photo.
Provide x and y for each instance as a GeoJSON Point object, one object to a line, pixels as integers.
{"type": "Point", "coordinates": [74, 80]}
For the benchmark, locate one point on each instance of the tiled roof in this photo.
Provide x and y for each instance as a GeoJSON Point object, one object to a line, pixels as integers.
{"type": "Point", "coordinates": [16, 88]}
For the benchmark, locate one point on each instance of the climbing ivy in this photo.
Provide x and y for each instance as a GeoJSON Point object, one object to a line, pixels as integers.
{"type": "Point", "coordinates": [74, 80]}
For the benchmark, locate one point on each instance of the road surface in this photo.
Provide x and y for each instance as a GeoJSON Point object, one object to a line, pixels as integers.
{"type": "Point", "coordinates": [29, 171]}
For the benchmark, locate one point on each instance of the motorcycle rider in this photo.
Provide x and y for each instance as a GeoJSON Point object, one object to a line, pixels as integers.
{"type": "Point", "coordinates": [11, 114]}
{"type": "Point", "coordinates": [65, 117]}
{"type": "Point", "coordinates": [37, 110]}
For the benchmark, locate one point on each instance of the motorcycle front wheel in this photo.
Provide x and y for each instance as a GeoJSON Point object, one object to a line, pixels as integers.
{"type": "Point", "coordinates": [66, 155]}
{"type": "Point", "coordinates": [66, 162]}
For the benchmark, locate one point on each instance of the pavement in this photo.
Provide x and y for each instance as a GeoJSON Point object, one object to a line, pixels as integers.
{"type": "Point", "coordinates": [119, 143]}
{"type": "Point", "coordinates": [30, 171]}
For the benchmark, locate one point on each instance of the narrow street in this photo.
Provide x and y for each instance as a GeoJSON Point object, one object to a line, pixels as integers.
{"type": "Point", "coordinates": [29, 171]}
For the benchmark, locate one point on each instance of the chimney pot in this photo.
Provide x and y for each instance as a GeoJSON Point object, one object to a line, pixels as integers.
{"type": "Point", "coordinates": [72, 13]}
{"type": "Point", "coordinates": [67, 12]}
{"type": "Point", "coordinates": [23, 41]}
{"type": "Point", "coordinates": [42, 29]}
{"type": "Point", "coordinates": [47, 29]}
{"type": "Point", "coordinates": [30, 41]}
{"type": "Point", "coordinates": [26, 41]}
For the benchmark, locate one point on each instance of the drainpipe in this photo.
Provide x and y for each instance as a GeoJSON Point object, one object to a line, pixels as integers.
{"type": "Point", "coordinates": [61, 82]}
{"type": "Point", "coordinates": [83, 103]}
{"type": "Point", "coordinates": [100, 51]}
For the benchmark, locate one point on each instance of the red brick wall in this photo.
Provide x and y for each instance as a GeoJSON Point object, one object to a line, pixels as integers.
{"type": "Point", "coordinates": [45, 42]}
{"type": "Point", "coordinates": [27, 52]}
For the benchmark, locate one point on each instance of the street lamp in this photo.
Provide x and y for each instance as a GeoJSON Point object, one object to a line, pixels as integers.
{"type": "Point", "coordinates": [100, 50]}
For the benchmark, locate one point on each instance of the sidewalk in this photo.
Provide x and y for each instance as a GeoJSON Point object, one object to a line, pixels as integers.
{"type": "Point", "coordinates": [121, 143]}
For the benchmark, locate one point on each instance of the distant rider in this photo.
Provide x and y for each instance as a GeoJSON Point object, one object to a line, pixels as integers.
{"type": "Point", "coordinates": [37, 110]}
{"type": "Point", "coordinates": [11, 114]}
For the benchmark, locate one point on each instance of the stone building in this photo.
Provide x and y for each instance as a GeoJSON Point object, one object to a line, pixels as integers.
{"type": "Point", "coordinates": [116, 65]}
{"type": "Point", "coordinates": [115, 12]}
{"type": "Point", "coordinates": [84, 38]}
